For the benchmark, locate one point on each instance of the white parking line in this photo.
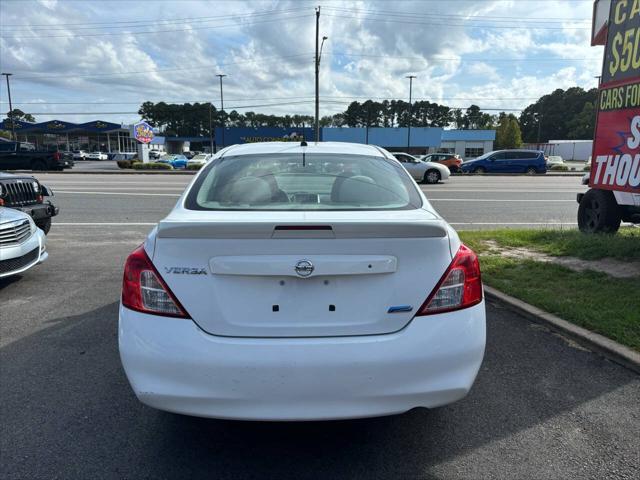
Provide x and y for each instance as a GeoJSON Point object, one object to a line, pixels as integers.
{"type": "Point", "coordinates": [502, 200]}
{"type": "Point", "coordinates": [175, 195]}
{"type": "Point", "coordinates": [100, 224]}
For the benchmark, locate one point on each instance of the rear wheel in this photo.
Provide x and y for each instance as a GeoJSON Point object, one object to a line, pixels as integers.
{"type": "Point", "coordinates": [38, 165]}
{"type": "Point", "coordinates": [598, 212]}
{"type": "Point", "coordinates": [480, 170]}
{"type": "Point", "coordinates": [432, 176]}
{"type": "Point", "coordinates": [531, 171]}
{"type": "Point", "coordinates": [44, 224]}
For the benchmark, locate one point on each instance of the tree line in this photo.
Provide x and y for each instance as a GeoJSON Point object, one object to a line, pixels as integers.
{"type": "Point", "coordinates": [563, 114]}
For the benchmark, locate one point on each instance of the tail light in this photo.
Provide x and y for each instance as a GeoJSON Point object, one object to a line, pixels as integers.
{"type": "Point", "coordinates": [144, 290]}
{"type": "Point", "coordinates": [460, 286]}
{"type": "Point", "coordinates": [57, 156]}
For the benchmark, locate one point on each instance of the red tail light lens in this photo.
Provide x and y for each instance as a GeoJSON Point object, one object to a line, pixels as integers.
{"type": "Point", "coordinates": [460, 286]}
{"type": "Point", "coordinates": [57, 156]}
{"type": "Point", "coordinates": [144, 290]}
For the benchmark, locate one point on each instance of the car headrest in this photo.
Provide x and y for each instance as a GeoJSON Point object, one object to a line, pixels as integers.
{"type": "Point", "coordinates": [357, 189]}
{"type": "Point", "coordinates": [249, 190]}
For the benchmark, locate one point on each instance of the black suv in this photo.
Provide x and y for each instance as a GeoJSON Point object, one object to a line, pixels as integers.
{"type": "Point", "coordinates": [25, 193]}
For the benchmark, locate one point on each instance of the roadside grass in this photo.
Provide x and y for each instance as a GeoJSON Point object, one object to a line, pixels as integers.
{"type": "Point", "coordinates": [624, 245]}
{"type": "Point", "coordinates": [593, 300]}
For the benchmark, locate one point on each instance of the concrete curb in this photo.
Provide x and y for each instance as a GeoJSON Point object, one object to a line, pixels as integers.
{"type": "Point", "coordinates": [593, 341]}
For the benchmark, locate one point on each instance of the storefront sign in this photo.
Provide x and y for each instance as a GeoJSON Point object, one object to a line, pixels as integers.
{"type": "Point", "coordinates": [143, 132]}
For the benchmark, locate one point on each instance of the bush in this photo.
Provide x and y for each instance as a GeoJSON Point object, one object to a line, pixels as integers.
{"type": "Point", "coordinates": [194, 166]}
{"type": "Point", "coordinates": [124, 163]}
{"type": "Point", "coordinates": [559, 168]}
{"type": "Point", "coordinates": [151, 166]}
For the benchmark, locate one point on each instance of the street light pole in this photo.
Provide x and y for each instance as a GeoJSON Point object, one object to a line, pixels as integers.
{"type": "Point", "coordinates": [222, 106]}
{"type": "Point", "coordinates": [410, 77]}
{"type": "Point", "coordinates": [317, 62]}
{"type": "Point", "coordinates": [13, 131]}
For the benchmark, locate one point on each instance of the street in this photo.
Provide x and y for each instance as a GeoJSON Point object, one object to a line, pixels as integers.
{"type": "Point", "coordinates": [464, 201]}
{"type": "Point", "coordinates": [541, 404]}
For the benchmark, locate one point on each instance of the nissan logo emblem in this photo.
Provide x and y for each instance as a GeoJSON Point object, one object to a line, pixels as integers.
{"type": "Point", "coordinates": [304, 268]}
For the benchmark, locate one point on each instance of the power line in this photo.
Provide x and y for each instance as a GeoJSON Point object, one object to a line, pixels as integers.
{"type": "Point", "coordinates": [335, 54]}
{"type": "Point", "coordinates": [207, 27]}
{"type": "Point", "coordinates": [137, 23]}
{"type": "Point", "coordinates": [442, 24]}
{"type": "Point", "coordinates": [161, 70]}
{"type": "Point", "coordinates": [438, 15]}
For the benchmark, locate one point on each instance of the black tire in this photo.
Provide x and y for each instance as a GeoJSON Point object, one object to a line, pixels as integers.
{"type": "Point", "coordinates": [38, 165]}
{"type": "Point", "coordinates": [432, 176]}
{"type": "Point", "coordinates": [480, 170]}
{"type": "Point", "coordinates": [44, 224]}
{"type": "Point", "coordinates": [531, 171]}
{"type": "Point", "coordinates": [599, 212]}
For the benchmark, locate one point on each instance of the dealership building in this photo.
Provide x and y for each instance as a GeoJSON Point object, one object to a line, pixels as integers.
{"type": "Point", "coordinates": [99, 135]}
{"type": "Point", "coordinates": [466, 143]}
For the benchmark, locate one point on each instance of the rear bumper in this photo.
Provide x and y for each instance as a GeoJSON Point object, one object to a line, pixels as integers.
{"type": "Point", "coordinates": [172, 365]}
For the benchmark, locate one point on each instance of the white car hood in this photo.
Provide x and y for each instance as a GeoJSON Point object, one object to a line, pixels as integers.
{"type": "Point", "coordinates": [10, 215]}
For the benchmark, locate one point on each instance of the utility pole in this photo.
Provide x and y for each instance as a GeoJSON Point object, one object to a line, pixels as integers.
{"type": "Point", "coordinates": [222, 106]}
{"type": "Point", "coordinates": [539, 119]}
{"type": "Point", "coordinates": [410, 77]}
{"type": "Point", "coordinates": [210, 128]}
{"type": "Point", "coordinates": [13, 130]}
{"type": "Point", "coordinates": [317, 121]}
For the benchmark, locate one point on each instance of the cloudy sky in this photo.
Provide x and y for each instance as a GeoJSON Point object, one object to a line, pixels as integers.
{"type": "Point", "coordinates": [79, 59]}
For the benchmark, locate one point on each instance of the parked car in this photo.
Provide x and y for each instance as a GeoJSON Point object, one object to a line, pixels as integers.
{"type": "Point", "coordinates": [16, 156]}
{"type": "Point", "coordinates": [27, 194]}
{"type": "Point", "coordinates": [97, 156]}
{"type": "Point", "coordinates": [155, 154]}
{"type": "Point", "coordinates": [199, 159]}
{"type": "Point", "coordinates": [427, 172]}
{"type": "Point", "coordinates": [449, 160]}
{"type": "Point", "coordinates": [554, 160]}
{"type": "Point", "coordinates": [190, 154]}
{"type": "Point", "coordinates": [79, 155]}
{"type": "Point", "coordinates": [271, 295]}
{"type": "Point", "coordinates": [176, 161]}
{"type": "Point", "coordinates": [22, 243]}
{"type": "Point", "coordinates": [507, 161]}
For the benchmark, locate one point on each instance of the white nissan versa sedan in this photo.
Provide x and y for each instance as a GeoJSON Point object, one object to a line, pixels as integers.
{"type": "Point", "coordinates": [295, 282]}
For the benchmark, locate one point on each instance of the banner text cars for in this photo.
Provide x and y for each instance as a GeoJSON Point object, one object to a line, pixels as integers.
{"type": "Point", "coordinates": [616, 150]}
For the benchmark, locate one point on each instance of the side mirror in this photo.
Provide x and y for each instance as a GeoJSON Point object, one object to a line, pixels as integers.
{"type": "Point", "coordinates": [46, 191]}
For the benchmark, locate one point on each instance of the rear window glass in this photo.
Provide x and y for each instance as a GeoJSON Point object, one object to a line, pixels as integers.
{"type": "Point", "coordinates": [294, 182]}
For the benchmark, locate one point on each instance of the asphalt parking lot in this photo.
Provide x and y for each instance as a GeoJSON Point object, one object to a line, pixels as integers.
{"type": "Point", "coordinates": [542, 407]}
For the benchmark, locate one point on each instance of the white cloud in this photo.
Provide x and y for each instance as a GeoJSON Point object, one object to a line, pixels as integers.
{"type": "Point", "coordinates": [270, 57]}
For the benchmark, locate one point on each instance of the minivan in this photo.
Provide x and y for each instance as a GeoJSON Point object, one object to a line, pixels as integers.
{"type": "Point", "coordinates": [507, 161]}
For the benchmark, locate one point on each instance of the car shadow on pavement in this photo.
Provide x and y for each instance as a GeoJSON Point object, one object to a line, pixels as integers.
{"type": "Point", "coordinates": [67, 411]}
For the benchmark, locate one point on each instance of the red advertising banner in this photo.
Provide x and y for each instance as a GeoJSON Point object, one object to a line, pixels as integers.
{"type": "Point", "coordinates": [615, 163]}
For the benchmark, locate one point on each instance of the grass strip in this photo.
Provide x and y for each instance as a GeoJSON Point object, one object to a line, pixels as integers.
{"type": "Point", "coordinates": [593, 300]}
{"type": "Point", "coordinates": [624, 245]}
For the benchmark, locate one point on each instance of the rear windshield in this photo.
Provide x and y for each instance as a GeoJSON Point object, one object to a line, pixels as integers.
{"type": "Point", "coordinates": [294, 182]}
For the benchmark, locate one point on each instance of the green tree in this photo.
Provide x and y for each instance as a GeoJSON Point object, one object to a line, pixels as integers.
{"type": "Point", "coordinates": [17, 114]}
{"type": "Point", "coordinates": [582, 125]}
{"type": "Point", "coordinates": [558, 115]}
{"type": "Point", "coordinates": [508, 133]}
